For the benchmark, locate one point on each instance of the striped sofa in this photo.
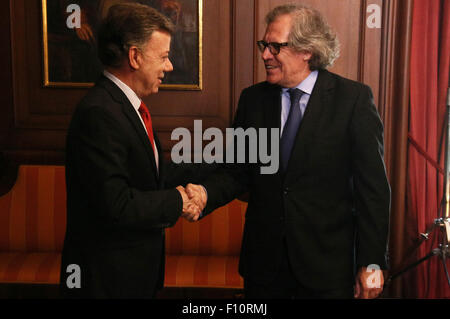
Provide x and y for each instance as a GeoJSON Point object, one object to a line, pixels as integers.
{"type": "Point", "coordinates": [33, 221]}
{"type": "Point", "coordinates": [206, 253]}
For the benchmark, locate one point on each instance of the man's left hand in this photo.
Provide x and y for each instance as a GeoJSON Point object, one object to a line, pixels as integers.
{"type": "Point", "coordinates": [369, 283]}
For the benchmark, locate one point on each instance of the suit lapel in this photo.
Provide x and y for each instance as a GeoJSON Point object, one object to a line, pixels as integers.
{"type": "Point", "coordinates": [272, 107]}
{"type": "Point", "coordinates": [133, 117]}
{"type": "Point", "coordinates": [318, 102]}
{"type": "Point", "coordinates": [161, 161]}
{"type": "Point", "coordinates": [272, 111]}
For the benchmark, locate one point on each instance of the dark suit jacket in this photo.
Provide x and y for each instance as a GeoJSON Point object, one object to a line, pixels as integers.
{"type": "Point", "coordinates": [117, 204]}
{"type": "Point", "coordinates": [334, 199]}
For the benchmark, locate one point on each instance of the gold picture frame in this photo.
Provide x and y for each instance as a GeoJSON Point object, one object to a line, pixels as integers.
{"type": "Point", "coordinates": [69, 61]}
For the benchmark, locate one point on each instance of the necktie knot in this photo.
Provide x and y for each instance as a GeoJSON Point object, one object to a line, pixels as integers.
{"type": "Point", "coordinates": [296, 95]}
{"type": "Point", "coordinates": [143, 110]}
{"type": "Point", "coordinates": [145, 114]}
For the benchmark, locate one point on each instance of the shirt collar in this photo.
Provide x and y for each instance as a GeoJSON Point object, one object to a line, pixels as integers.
{"type": "Point", "coordinates": [131, 95]}
{"type": "Point", "coordinates": [307, 85]}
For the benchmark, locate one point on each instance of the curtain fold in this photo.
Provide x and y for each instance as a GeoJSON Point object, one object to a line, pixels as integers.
{"type": "Point", "coordinates": [394, 95]}
{"type": "Point", "coordinates": [430, 54]}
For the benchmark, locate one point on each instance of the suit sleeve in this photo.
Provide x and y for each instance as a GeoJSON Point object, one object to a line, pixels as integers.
{"type": "Point", "coordinates": [231, 179]}
{"type": "Point", "coordinates": [100, 148]}
{"type": "Point", "coordinates": [371, 187]}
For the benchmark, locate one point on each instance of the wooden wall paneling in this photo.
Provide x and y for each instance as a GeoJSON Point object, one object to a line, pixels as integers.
{"type": "Point", "coordinates": [6, 98]}
{"type": "Point", "coordinates": [262, 7]}
{"type": "Point", "coordinates": [36, 107]}
{"type": "Point", "coordinates": [230, 28]}
{"type": "Point", "coordinates": [370, 59]}
{"type": "Point", "coordinates": [244, 43]}
{"type": "Point", "coordinates": [42, 115]}
{"type": "Point", "coordinates": [212, 105]}
{"type": "Point", "coordinates": [8, 172]}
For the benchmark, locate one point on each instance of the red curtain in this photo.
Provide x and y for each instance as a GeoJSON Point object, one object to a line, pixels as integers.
{"type": "Point", "coordinates": [430, 61]}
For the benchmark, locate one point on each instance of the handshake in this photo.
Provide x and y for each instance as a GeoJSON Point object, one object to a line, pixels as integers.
{"type": "Point", "coordinates": [194, 201]}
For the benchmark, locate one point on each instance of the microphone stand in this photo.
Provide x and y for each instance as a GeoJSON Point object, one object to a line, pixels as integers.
{"type": "Point", "coordinates": [443, 222]}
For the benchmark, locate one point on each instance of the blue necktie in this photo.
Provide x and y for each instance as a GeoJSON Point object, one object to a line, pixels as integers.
{"type": "Point", "coordinates": [290, 127]}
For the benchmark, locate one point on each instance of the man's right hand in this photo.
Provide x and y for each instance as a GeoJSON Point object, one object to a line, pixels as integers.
{"type": "Point", "coordinates": [197, 194]}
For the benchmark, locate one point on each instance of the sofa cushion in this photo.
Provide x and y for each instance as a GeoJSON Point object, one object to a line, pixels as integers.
{"type": "Point", "coordinates": [35, 268]}
{"type": "Point", "coordinates": [202, 271]}
{"type": "Point", "coordinates": [217, 234]}
{"type": "Point", "coordinates": [33, 213]}
{"type": "Point", "coordinates": [206, 253]}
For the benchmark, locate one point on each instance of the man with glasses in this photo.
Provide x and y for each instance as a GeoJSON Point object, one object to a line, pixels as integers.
{"type": "Point", "coordinates": [318, 227]}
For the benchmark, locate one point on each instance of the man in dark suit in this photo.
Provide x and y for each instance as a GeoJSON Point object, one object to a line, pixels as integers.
{"type": "Point", "coordinates": [119, 195]}
{"type": "Point", "coordinates": [324, 215]}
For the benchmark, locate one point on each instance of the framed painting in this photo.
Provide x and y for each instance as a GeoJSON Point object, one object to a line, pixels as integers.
{"type": "Point", "coordinates": [70, 49]}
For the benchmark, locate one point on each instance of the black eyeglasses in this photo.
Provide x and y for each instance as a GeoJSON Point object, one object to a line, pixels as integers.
{"type": "Point", "coordinates": [274, 47]}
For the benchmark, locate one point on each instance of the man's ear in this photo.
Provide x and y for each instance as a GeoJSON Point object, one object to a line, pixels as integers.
{"type": "Point", "coordinates": [134, 58]}
{"type": "Point", "coordinates": [306, 55]}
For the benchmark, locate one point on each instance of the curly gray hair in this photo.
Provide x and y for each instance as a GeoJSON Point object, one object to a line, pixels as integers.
{"type": "Point", "coordinates": [309, 32]}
